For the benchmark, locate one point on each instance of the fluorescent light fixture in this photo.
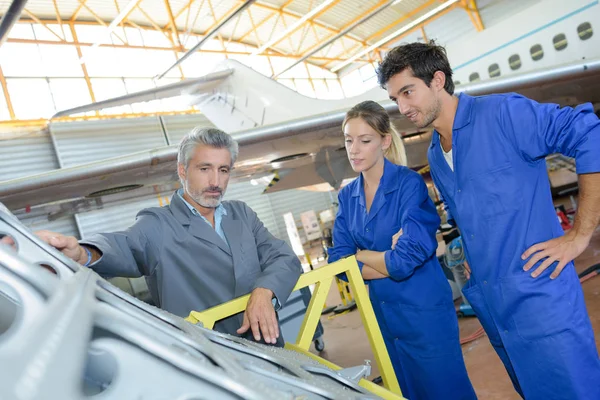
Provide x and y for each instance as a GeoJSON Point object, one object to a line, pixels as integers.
{"type": "Point", "coordinates": [391, 36]}
{"type": "Point", "coordinates": [291, 28]}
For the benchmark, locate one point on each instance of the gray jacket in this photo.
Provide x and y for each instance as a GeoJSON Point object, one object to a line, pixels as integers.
{"type": "Point", "coordinates": [190, 267]}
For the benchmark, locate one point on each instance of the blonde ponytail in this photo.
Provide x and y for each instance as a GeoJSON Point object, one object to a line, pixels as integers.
{"type": "Point", "coordinates": [396, 153]}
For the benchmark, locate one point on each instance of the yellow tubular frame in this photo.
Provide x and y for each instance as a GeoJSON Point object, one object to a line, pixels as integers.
{"type": "Point", "coordinates": [322, 278]}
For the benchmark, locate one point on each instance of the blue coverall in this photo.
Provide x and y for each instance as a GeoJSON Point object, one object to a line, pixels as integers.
{"type": "Point", "coordinates": [499, 196]}
{"type": "Point", "coordinates": [414, 305]}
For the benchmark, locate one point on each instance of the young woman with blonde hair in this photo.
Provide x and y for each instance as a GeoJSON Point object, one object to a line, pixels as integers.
{"type": "Point", "coordinates": [409, 292]}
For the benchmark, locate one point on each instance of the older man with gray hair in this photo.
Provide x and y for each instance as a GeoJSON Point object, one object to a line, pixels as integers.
{"type": "Point", "coordinates": [199, 251]}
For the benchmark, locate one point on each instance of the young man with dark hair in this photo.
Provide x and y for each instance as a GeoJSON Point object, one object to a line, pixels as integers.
{"type": "Point", "coordinates": [487, 158]}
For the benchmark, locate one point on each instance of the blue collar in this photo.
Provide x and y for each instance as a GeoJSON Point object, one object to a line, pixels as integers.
{"type": "Point", "coordinates": [388, 182]}
{"type": "Point", "coordinates": [462, 117]}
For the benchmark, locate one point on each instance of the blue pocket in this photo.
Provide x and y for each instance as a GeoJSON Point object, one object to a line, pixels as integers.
{"type": "Point", "coordinates": [498, 191]}
{"type": "Point", "coordinates": [539, 307]}
{"type": "Point", "coordinates": [475, 297]}
{"type": "Point", "coordinates": [425, 332]}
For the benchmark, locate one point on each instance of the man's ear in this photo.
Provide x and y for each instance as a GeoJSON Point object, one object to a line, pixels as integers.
{"type": "Point", "coordinates": [439, 80]}
{"type": "Point", "coordinates": [181, 171]}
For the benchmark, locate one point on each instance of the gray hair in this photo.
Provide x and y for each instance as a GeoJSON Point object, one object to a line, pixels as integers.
{"type": "Point", "coordinates": [208, 136]}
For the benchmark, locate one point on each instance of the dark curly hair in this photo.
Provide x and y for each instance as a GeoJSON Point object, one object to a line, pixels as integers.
{"type": "Point", "coordinates": [423, 59]}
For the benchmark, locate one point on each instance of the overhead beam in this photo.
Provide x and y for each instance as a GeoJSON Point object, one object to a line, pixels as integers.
{"type": "Point", "coordinates": [38, 21]}
{"type": "Point", "coordinates": [396, 22]}
{"type": "Point", "coordinates": [100, 20]}
{"type": "Point", "coordinates": [126, 46]}
{"type": "Point", "coordinates": [154, 24]}
{"type": "Point", "coordinates": [234, 30]}
{"type": "Point", "coordinates": [121, 16]}
{"type": "Point", "coordinates": [349, 69]}
{"type": "Point", "coordinates": [173, 26]}
{"type": "Point", "coordinates": [414, 24]}
{"type": "Point", "coordinates": [189, 32]}
{"type": "Point", "coordinates": [86, 76]}
{"type": "Point", "coordinates": [373, 11]}
{"type": "Point", "coordinates": [58, 17]}
{"type": "Point", "coordinates": [295, 15]}
{"type": "Point", "coordinates": [277, 12]}
{"type": "Point", "coordinates": [143, 27]}
{"type": "Point", "coordinates": [11, 111]}
{"type": "Point", "coordinates": [209, 35]}
{"type": "Point", "coordinates": [254, 28]}
{"type": "Point", "coordinates": [403, 18]}
{"type": "Point", "coordinates": [303, 36]}
{"type": "Point", "coordinates": [186, 7]}
{"type": "Point", "coordinates": [309, 17]}
{"type": "Point", "coordinates": [472, 10]}
{"type": "Point", "coordinates": [77, 11]}
{"type": "Point", "coordinates": [285, 27]}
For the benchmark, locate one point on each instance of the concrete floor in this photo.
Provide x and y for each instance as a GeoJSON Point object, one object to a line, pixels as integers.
{"type": "Point", "coordinates": [346, 342]}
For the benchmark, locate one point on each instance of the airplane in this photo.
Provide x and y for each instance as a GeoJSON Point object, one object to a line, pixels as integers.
{"type": "Point", "coordinates": [548, 52]}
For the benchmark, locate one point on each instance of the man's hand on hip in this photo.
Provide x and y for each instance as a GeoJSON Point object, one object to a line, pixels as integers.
{"type": "Point", "coordinates": [563, 249]}
{"type": "Point", "coordinates": [260, 316]}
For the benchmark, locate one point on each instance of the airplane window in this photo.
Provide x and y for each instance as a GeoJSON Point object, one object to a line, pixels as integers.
{"type": "Point", "coordinates": [514, 62]}
{"type": "Point", "coordinates": [494, 70]}
{"type": "Point", "coordinates": [537, 53]}
{"type": "Point", "coordinates": [560, 42]}
{"type": "Point", "coordinates": [474, 77]}
{"type": "Point", "coordinates": [585, 31]}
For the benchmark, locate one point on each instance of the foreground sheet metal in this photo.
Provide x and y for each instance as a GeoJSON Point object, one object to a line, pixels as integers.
{"type": "Point", "coordinates": [73, 335]}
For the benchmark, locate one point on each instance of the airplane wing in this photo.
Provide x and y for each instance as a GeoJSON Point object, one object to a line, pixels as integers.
{"type": "Point", "coordinates": [313, 143]}
{"type": "Point", "coordinates": [185, 87]}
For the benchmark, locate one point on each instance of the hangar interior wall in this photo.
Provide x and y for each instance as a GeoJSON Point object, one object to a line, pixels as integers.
{"type": "Point", "coordinates": [75, 143]}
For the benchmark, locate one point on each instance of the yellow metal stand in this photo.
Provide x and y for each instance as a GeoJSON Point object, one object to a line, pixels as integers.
{"type": "Point", "coordinates": [344, 290]}
{"type": "Point", "coordinates": [322, 279]}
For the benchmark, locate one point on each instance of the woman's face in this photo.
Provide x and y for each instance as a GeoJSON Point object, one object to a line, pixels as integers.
{"type": "Point", "coordinates": [364, 146]}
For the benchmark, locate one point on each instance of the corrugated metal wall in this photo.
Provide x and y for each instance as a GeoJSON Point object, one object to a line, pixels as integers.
{"type": "Point", "coordinates": [65, 225]}
{"type": "Point", "coordinates": [87, 141]}
{"type": "Point", "coordinates": [115, 218]}
{"type": "Point", "coordinates": [24, 154]}
{"type": "Point", "coordinates": [298, 201]}
{"type": "Point", "coordinates": [29, 153]}
{"type": "Point", "coordinates": [271, 207]}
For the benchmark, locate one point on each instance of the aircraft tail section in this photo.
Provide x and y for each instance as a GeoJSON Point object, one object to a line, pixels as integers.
{"type": "Point", "coordinates": [248, 99]}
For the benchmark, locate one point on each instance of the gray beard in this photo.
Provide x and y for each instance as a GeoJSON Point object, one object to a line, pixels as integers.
{"type": "Point", "coordinates": [206, 202]}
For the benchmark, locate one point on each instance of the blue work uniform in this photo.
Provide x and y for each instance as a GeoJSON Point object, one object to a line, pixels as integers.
{"type": "Point", "coordinates": [414, 305]}
{"type": "Point", "coordinates": [499, 196]}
